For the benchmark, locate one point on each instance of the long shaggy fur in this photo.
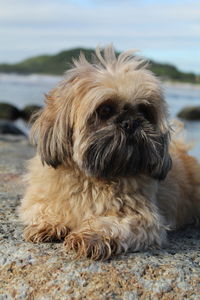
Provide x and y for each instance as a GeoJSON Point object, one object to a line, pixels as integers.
{"type": "Point", "coordinates": [106, 177]}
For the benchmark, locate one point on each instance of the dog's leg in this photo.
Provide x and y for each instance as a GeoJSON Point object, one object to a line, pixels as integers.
{"type": "Point", "coordinates": [42, 224]}
{"type": "Point", "coordinates": [45, 233]}
{"type": "Point", "coordinates": [101, 237]}
{"type": "Point", "coordinates": [43, 209]}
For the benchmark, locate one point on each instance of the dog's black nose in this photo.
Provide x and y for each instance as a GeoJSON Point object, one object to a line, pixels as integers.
{"type": "Point", "coordinates": [129, 125]}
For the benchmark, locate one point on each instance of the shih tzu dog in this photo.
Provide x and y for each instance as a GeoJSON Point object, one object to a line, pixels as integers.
{"type": "Point", "coordinates": [106, 178]}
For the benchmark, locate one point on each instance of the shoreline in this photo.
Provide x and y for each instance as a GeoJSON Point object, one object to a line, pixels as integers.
{"type": "Point", "coordinates": [179, 84]}
{"type": "Point", "coordinates": [34, 77]}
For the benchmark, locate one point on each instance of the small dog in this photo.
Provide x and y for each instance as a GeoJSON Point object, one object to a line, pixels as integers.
{"type": "Point", "coordinates": [106, 178]}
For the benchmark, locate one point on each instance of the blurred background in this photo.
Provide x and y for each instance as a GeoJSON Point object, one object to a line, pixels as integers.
{"type": "Point", "coordinates": [40, 37]}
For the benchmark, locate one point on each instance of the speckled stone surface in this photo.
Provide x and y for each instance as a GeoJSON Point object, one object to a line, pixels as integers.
{"type": "Point", "coordinates": [46, 271]}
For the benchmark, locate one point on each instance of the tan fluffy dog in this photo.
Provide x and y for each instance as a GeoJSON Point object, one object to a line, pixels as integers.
{"type": "Point", "coordinates": [104, 179]}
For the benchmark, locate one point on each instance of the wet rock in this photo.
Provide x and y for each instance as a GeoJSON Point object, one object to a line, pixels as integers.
{"type": "Point", "coordinates": [29, 110]}
{"type": "Point", "coordinates": [7, 127]}
{"type": "Point", "coordinates": [190, 113]}
{"type": "Point", "coordinates": [9, 112]}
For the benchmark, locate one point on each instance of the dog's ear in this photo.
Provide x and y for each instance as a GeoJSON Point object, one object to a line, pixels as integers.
{"type": "Point", "coordinates": [52, 132]}
{"type": "Point", "coordinates": [163, 164]}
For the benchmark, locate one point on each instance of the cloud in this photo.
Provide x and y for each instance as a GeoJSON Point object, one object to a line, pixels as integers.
{"type": "Point", "coordinates": [40, 26]}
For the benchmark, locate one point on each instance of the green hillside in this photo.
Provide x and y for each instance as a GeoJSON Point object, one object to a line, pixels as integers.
{"type": "Point", "coordinates": [57, 64]}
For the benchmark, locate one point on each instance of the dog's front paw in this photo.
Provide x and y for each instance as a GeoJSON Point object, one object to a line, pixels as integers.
{"type": "Point", "coordinates": [45, 233]}
{"type": "Point", "coordinates": [92, 245]}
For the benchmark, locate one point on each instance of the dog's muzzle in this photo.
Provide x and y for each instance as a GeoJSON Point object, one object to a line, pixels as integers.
{"type": "Point", "coordinates": [129, 123]}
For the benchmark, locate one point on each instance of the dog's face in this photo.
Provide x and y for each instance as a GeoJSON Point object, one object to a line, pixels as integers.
{"type": "Point", "coordinates": [108, 119]}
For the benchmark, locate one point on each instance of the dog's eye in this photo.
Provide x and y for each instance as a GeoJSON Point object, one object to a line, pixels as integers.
{"type": "Point", "coordinates": [106, 111]}
{"type": "Point", "coordinates": [148, 112]}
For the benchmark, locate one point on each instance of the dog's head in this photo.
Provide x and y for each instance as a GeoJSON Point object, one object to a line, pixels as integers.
{"type": "Point", "coordinates": [107, 118]}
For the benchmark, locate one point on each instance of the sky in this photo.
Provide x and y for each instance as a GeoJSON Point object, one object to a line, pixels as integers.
{"type": "Point", "coordinates": [164, 30]}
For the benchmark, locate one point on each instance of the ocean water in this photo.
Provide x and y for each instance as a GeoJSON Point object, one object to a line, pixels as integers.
{"type": "Point", "coordinates": [30, 89]}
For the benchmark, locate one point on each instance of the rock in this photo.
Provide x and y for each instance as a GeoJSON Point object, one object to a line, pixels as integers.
{"type": "Point", "coordinates": [47, 271]}
{"type": "Point", "coordinates": [9, 112]}
{"type": "Point", "coordinates": [190, 113]}
{"type": "Point", "coordinates": [29, 110]}
{"type": "Point", "coordinates": [7, 127]}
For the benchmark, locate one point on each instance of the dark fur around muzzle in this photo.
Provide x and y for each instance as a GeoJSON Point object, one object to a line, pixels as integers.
{"type": "Point", "coordinates": [113, 154]}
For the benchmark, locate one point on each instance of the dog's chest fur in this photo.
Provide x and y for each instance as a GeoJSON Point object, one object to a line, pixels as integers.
{"type": "Point", "coordinates": [78, 195]}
